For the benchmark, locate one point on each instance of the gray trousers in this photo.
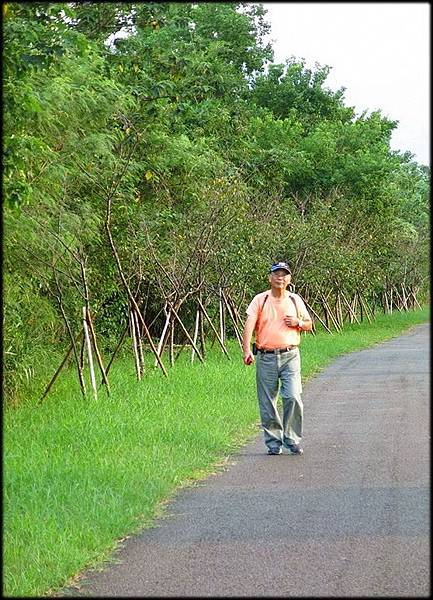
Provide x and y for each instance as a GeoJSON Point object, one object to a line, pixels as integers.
{"type": "Point", "coordinates": [271, 371]}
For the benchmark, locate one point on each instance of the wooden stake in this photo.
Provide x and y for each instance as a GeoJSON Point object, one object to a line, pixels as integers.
{"type": "Point", "coordinates": [239, 321]}
{"type": "Point", "coordinates": [139, 344]}
{"type": "Point", "coordinates": [310, 309]}
{"type": "Point", "coordinates": [89, 354]}
{"type": "Point", "coordinates": [98, 354]}
{"type": "Point", "coordinates": [171, 353]}
{"type": "Point", "coordinates": [235, 327]}
{"type": "Point", "coordinates": [352, 314]}
{"type": "Point", "coordinates": [134, 344]}
{"type": "Point", "coordinates": [202, 336]}
{"type": "Point", "coordinates": [415, 300]}
{"type": "Point", "coordinates": [404, 297]}
{"type": "Point", "coordinates": [325, 315]}
{"type": "Point", "coordinates": [399, 302]}
{"type": "Point", "coordinates": [337, 327]}
{"type": "Point", "coordinates": [186, 332]}
{"type": "Point", "coordinates": [163, 337]}
{"type": "Point", "coordinates": [222, 324]}
{"type": "Point", "coordinates": [54, 377]}
{"type": "Point", "coordinates": [116, 350]}
{"type": "Point", "coordinates": [197, 321]}
{"type": "Point", "coordinates": [201, 328]}
{"type": "Point", "coordinates": [363, 304]}
{"type": "Point", "coordinates": [81, 363]}
{"type": "Point", "coordinates": [338, 310]}
{"type": "Point", "coordinates": [213, 329]}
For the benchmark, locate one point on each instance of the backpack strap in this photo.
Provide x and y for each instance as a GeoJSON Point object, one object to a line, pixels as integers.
{"type": "Point", "coordinates": [296, 305]}
{"type": "Point", "coordinates": [260, 314]}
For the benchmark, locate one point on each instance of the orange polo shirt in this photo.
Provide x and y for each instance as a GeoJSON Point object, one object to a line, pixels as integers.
{"type": "Point", "coordinates": [271, 330]}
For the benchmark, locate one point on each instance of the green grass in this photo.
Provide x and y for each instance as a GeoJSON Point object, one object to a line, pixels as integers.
{"type": "Point", "coordinates": [79, 475]}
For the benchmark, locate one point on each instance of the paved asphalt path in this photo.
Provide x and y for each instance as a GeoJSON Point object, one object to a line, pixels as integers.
{"type": "Point", "coordinates": [348, 518]}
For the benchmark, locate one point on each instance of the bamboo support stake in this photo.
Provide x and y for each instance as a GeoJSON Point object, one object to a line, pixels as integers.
{"type": "Point", "coordinates": [241, 299]}
{"type": "Point", "coordinates": [139, 344]}
{"type": "Point", "coordinates": [409, 300]}
{"type": "Point", "coordinates": [153, 321]}
{"type": "Point", "coordinates": [415, 300]}
{"type": "Point", "coordinates": [213, 328]}
{"type": "Point", "coordinates": [163, 337]}
{"type": "Point", "coordinates": [56, 374]}
{"type": "Point", "coordinates": [201, 329]}
{"type": "Point", "coordinates": [404, 297]}
{"type": "Point", "coordinates": [171, 352]}
{"type": "Point", "coordinates": [81, 363]}
{"type": "Point", "coordinates": [364, 304]}
{"type": "Point", "coordinates": [400, 303]}
{"type": "Point", "coordinates": [360, 306]}
{"type": "Point", "coordinates": [352, 314]}
{"type": "Point", "coordinates": [384, 302]}
{"type": "Point", "coordinates": [98, 354]}
{"type": "Point", "coordinates": [338, 310]}
{"type": "Point", "coordinates": [77, 358]}
{"type": "Point", "coordinates": [310, 309]}
{"type": "Point", "coordinates": [116, 350]}
{"type": "Point", "coordinates": [197, 322]}
{"type": "Point", "coordinates": [202, 335]}
{"type": "Point", "coordinates": [221, 310]}
{"type": "Point", "coordinates": [54, 377]}
{"type": "Point", "coordinates": [134, 344]}
{"type": "Point", "coordinates": [239, 321]}
{"type": "Point", "coordinates": [235, 327]}
{"type": "Point", "coordinates": [186, 332]}
{"type": "Point", "coordinates": [89, 354]}
{"type": "Point", "coordinates": [325, 315]}
{"type": "Point", "coordinates": [337, 327]}
{"type": "Point", "coordinates": [353, 304]}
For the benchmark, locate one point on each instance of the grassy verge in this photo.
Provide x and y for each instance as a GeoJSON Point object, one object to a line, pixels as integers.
{"type": "Point", "coordinates": [81, 474]}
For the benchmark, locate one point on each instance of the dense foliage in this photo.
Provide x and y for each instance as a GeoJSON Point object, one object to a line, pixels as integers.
{"type": "Point", "coordinates": [214, 162]}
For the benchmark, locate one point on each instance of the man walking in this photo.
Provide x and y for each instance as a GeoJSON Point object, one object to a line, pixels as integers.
{"type": "Point", "coordinates": [278, 316]}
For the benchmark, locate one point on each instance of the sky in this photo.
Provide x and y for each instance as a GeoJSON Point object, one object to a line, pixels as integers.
{"type": "Point", "coordinates": [379, 52]}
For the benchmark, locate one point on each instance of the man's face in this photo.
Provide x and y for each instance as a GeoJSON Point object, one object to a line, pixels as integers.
{"type": "Point", "coordinates": [279, 279]}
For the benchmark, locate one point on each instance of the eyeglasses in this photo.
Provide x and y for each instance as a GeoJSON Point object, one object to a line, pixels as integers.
{"type": "Point", "coordinates": [276, 274]}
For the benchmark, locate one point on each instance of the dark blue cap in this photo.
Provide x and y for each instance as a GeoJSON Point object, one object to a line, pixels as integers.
{"type": "Point", "coordinates": [281, 265]}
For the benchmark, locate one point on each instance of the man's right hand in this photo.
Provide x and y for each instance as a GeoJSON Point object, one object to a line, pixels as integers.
{"type": "Point", "coordinates": [248, 358]}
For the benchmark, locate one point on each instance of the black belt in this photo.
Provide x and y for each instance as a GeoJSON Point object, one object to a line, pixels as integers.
{"type": "Point", "coordinates": [277, 350]}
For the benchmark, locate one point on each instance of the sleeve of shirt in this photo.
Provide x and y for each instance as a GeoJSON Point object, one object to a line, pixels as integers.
{"type": "Point", "coordinates": [253, 307]}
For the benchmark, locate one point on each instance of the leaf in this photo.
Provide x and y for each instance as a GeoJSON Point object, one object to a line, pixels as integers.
{"type": "Point", "coordinates": [148, 175]}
